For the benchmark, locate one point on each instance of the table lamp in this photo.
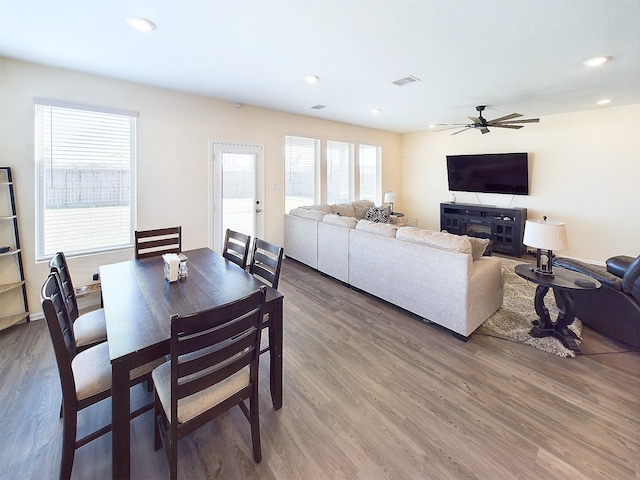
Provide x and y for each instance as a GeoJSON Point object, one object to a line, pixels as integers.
{"type": "Point", "coordinates": [390, 198]}
{"type": "Point", "coordinates": [545, 236]}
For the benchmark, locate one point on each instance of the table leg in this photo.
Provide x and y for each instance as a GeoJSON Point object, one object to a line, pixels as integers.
{"type": "Point", "coordinates": [120, 429]}
{"type": "Point", "coordinates": [275, 353]}
{"type": "Point", "coordinates": [545, 327]}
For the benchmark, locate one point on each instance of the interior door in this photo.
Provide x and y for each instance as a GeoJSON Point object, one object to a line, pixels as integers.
{"type": "Point", "coordinates": [237, 193]}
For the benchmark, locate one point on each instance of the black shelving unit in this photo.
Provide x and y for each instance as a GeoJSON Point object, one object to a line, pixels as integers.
{"type": "Point", "coordinates": [502, 225]}
{"type": "Point", "coordinates": [11, 266]}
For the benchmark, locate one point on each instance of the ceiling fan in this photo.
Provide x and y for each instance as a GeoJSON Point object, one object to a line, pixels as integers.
{"type": "Point", "coordinates": [483, 124]}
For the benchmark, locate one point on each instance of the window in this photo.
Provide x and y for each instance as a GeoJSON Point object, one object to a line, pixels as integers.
{"type": "Point", "coordinates": [85, 178]}
{"type": "Point", "coordinates": [302, 172]}
{"type": "Point", "coordinates": [370, 165]}
{"type": "Point", "coordinates": [340, 186]}
{"type": "Point", "coordinates": [344, 177]}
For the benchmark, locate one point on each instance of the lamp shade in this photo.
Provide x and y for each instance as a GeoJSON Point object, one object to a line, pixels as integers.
{"type": "Point", "coordinates": [547, 235]}
{"type": "Point", "coordinates": [390, 197]}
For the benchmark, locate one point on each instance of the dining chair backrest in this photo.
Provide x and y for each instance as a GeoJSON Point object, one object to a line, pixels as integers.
{"type": "Point", "coordinates": [61, 331]}
{"type": "Point", "coordinates": [58, 265]}
{"type": "Point", "coordinates": [216, 351]}
{"type": "Point", "coordinates": [152, 243]}
{"type": "Point", "coordinates": [209, 346]}
{"type": "Point", "coordinates": [236, 247]}
{"type": "Point", "coordinates": [266, 261]}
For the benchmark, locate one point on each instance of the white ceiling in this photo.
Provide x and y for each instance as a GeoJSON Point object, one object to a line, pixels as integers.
{"type": "Point", "coordinates": [521, 56]}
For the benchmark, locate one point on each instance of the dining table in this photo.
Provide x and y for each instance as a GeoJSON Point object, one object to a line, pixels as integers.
{"type": "Point", "coordinates": [138, 304]}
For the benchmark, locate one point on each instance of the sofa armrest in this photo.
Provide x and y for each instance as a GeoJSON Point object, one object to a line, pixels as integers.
{"type": "Point", "coordinates": [619, 265]}
{"type": "Point", "coordinates": [593, 271]}
{"type": "Point", "coordinates": [631, 280]}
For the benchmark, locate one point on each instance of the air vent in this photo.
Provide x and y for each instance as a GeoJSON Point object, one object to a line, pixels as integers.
{"type": "Point", "coordinates": [405, 80]}
{"type": "Point", "coordinates": [319, 107]}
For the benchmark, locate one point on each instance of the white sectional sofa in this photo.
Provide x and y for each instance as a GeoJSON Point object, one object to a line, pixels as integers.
{"type": "Point", "coordinates": [435, 275]}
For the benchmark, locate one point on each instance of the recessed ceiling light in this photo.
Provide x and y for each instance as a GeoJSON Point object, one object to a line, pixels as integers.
{"type": "Point", "coordinates": [311, 78]}
{"type": "Point", "coordinates": [604, 101]}
{"type": "Point", "coordinates": [376, 111]}
{"type": "Point", "coordinates": [595, 61]}
{"type": "Point", "coordinates": [141, 24]}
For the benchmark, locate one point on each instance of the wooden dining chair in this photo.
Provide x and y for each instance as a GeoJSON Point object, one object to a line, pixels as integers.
{"type": "Point", "coordinates": [89, 328]}
{"type": "Point", "coordinates": [236, 247]}
{"type": "Point", "coordinates": [152, 243]}
{"type": "Point", "coordinates": [266, 262]}
{"type": "Point", "coordinates": [213, 367]}
{"type": "Point", "coordinates": [85, 377]}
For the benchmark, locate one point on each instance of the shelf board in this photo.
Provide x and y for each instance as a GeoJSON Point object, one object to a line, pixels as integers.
{"type": "Point", "coordinates": [7, 321]}
{"type": "Point", "coordinates": [10, 252]}
{"type": "Point", "coordinates": [10, 286]}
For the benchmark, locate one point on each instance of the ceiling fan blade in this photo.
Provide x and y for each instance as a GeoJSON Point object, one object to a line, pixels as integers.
{"type": "Point", "coordinates": [507, 126]}
{"type": "Point", "coordinates": [506, 117]}
{"type": "Point", "coordinates": [484, 130]}
{"type": "Point", "coordinates": [452, 127]}
{"type": "Point", "coordinates": [460, 131]}
{"type": "Point", "coordinates": [526, 120]}
{"type": "Point", "coordinates": [475, 120]}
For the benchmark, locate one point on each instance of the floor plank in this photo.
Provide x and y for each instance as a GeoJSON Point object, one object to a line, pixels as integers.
{"type": "Point", "coordinates": [370, 392]}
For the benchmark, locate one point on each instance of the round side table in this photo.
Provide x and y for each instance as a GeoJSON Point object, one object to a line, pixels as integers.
{"type": "Point", "coordinates": [563, 282]}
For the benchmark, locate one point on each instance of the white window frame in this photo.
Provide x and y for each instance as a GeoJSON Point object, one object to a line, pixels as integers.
{"type": "Point", "coordinates": [84, 154]}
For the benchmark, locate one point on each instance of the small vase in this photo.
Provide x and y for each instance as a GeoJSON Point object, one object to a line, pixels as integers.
{"type": "Point", "coordinates": [452, 198]}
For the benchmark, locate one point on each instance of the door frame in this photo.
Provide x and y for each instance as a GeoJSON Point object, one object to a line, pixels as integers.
{"type": "Point", "coordinates": [215, 192]}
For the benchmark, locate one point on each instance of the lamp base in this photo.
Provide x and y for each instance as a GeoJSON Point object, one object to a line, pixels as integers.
{"type": "Point", "coordinates": [545, 272]}
{"type": "Point", "coordinates": [544, 262]}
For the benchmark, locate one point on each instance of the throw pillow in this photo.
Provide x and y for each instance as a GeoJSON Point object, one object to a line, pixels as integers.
{"type": "Point", "coordinates": [360, 207]}
{"type": "Point", "coordinates": [343, 209]}
{"type": "Point", "coordinates": [478, 246]}
{"type": "Point", "coordinates": [377, 214]}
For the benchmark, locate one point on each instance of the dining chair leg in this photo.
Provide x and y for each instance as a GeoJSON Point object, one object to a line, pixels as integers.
{"type": "Point", "coordinates": [69, 431]}
{"type": "Point", "coordinates": [255, 427]}
{"type": "Point", "coordinates": [173, 460]}
{"type": "Point", "coordinates": [157, 439]}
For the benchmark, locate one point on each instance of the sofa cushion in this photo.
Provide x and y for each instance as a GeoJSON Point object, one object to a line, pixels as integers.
{"type": "Point", "coordinates": [360, 207]}
{"type": "Point", "coordinates": [316, 215]}
{"type": "Point", "coordinates": [446, 241]}
{"type": "Point", "coordinates": [344, 209]}
{"type": "Point", "coordinates": [322, 207]}
{"type": "Point", "coordinates": [340, 221]}
{"type": "Point", "coordinates": [378, 214]}
{"type": "Point", "coordinates": [384, 229]}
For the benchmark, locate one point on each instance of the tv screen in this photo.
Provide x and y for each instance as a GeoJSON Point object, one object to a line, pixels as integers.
{"type": "Point", "coordinates": [489, 173]}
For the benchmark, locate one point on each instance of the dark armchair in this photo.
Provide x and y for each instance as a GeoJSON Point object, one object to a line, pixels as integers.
{"type": "Point", "coordinates": [614, 309]}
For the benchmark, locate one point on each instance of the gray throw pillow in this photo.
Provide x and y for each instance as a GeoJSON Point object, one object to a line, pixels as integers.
{"type": "Point", "coordinates": [377, 214]}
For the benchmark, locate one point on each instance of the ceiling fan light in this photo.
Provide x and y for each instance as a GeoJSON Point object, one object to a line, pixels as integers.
{"type": "Point", "coordinates": [141, 24]}
{"type": "Point", "coordinates": [596, 61]}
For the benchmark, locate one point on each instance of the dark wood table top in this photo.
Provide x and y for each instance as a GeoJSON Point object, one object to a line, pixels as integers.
{"type": "Point", "coordinates": [139, 302]}
{"type": "Point", "coordinates": [563, 279]}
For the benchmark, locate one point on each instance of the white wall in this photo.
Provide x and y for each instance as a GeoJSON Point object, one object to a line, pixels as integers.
{"type": "Point", "coordinates": [584, 170]}
{"type": "Point", "coordinates": [174, 132]}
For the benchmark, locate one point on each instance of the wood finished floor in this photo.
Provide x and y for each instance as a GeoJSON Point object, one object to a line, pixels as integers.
{"type": "Point", "coordinates": [370, 392]}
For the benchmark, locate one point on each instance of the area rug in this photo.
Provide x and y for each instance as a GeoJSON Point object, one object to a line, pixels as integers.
{"type": "Point", "coordinates": [514, 319]}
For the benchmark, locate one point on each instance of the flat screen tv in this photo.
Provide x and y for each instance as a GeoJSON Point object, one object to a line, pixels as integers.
{"type": "Point", "coordinates": [489, 173]}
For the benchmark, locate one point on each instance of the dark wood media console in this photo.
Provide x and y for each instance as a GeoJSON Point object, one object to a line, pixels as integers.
{"type": "Point", "coordinates": [502, 225]}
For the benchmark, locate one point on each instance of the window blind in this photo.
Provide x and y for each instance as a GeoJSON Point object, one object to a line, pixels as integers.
{"type": "Point", "coordinates": [340, 185]}
{"type": "Point", "coordinates": [85, 166]}
{"type": "Point", "coordinates": [370, 166]}
{"type": "Point", "coordinates": [302, 172]}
